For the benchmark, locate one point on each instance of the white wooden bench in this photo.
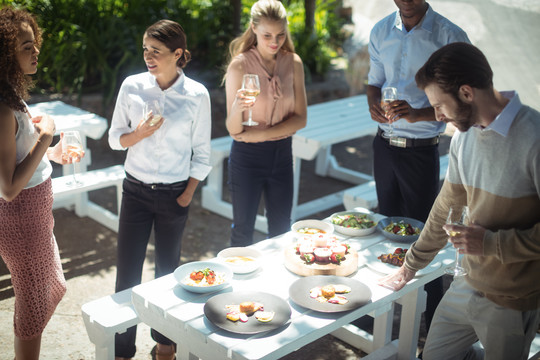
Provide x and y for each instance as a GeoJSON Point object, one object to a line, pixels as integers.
{"type": "Point", "coordinates": [365, 195]}
{"type": "Point", "coordinates": [90, 180]}
{"type": "Point", "coordinates": [107, 316]}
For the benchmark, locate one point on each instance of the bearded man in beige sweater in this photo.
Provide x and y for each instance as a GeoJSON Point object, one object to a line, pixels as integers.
{"type": "Point", "coordinates": [494, 169]}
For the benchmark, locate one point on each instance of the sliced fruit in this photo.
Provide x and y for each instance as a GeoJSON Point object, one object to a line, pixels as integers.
{"type": "Point", "coordinates": [264, 316]}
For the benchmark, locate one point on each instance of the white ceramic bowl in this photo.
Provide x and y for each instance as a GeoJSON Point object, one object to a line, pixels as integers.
{"type": "Point", "coordinates": [351, 231]}
{"type": "Point", "coordinates": [326, 228]}
{"type": "Point", "coordinates": [400, 238]}
{"type": "Point", "coordinates": [183, 271]}
{"type": "Point", "coordinates": [241, 260]}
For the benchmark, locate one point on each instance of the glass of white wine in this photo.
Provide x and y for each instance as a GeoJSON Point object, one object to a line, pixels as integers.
{"type": "Point", "coordinates": [152, 112]}
{"type": "Point", "coordinates": [457, 215]}
{"type": "Point", "coordinates": [388, 95]}
{"type": "Point", "coordinates": [72, 148]}
{"type": "Point", "coordinates": [251, 89]}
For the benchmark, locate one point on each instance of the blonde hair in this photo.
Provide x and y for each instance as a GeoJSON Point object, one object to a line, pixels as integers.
{"type": "Point", "coordinates": [271, 10]}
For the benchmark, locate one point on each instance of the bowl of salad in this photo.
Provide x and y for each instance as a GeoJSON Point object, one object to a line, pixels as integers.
{"type": "Point", "coordinates": [203, 276]}
{"type": "Point", "coordinates": [354, 223]}
{"type": "Point", "coordinates": [401, 229]}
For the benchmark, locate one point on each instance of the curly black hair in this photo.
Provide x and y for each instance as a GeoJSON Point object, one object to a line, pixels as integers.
{"type": "Point", "coordinates": [14, 84]}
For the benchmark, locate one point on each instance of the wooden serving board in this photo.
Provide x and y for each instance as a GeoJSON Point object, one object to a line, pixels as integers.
{"type": "Point", "coordinates": [295, 264]}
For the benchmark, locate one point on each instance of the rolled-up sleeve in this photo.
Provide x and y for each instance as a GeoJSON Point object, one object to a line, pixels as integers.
{"type": "Point", "coordinates": [376, 75]}
{"type": "Point", "coordinates": [201, 140]}
{"type": "Point", "coordinates": [120, 123]}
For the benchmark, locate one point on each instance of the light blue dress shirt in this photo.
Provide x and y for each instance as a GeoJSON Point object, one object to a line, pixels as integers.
{"type": "Point", "coordinates": [181, 147]}
{"type": "Point", "coordinates": [397, 54]}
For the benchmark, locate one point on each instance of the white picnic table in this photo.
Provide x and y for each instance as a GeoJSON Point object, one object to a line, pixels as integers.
{"type": "Point", "coordinates": [328, 124]}
{"type": "Point", "coordinates": [89, 125]}
{"type": "Point", "coordinates": [178, 314]}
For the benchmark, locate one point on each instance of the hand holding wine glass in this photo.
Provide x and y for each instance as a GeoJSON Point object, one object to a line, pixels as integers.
{"type": "Point", "coordinates": [388, 95]}
{"type": "Point", "coordinates": [152, 112]}
{"type": "Point", "coordinates": [251, 89]}
{"type": "Point", "coordinates": [457, 215]}
{"type": "Point", "coordinates": [72, 149]}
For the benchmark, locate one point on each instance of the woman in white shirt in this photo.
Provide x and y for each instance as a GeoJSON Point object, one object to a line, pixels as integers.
{"type": "Point", "coordinates": [165, 162]}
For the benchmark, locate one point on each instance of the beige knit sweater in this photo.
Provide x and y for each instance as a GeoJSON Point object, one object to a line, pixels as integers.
{"type": "Point", "coordinates": [498, 177]}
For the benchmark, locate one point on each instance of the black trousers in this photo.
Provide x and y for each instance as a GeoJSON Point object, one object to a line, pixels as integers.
{"type": "Point", "coordinates": [407, 183]}
{"type": "Point", "coordinates": [143, 208]}
{"type": "Point", "coordinates": [256, 170]}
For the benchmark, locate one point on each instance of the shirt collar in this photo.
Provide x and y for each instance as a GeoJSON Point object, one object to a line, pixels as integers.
{"type": "Point", "coordinates": [503, 121]}
{"type": "Point", "coordinates": [425, 23]}
{"type": "Point", "coordinates": [176, 86]}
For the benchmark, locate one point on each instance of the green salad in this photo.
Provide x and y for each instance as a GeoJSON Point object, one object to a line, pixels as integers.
{"type": "Point", "coordinates": [402, 228]}
{"type": "Point", "coordinates": [353, 221]}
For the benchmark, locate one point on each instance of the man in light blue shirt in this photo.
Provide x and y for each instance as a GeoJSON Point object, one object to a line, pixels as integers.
{"type": "Point", "coordinates": [406, 154]}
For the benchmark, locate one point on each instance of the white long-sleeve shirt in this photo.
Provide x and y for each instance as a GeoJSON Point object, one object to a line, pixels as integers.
{"type": "Point", "coordinates": [181, 147]}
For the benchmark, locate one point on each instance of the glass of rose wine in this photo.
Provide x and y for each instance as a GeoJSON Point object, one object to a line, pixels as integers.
{"type": "Point", "coordinates": [388, 95]}
{"type": "Point", "coordinates": [152, 112]}
{"type": "Point", "coordinates": [72, 148]}
{"type": "Point", "coordinates": [251, 89]}
{"type": "Point", "coordinates": [457, 215]}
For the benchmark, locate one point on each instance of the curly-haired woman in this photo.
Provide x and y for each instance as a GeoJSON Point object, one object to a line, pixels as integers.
{"type": "Point", "coordinates": [27, 243]}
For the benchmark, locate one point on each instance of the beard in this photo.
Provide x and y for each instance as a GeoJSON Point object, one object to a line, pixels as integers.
{"type": "Point", "coordinates": [464, 117]}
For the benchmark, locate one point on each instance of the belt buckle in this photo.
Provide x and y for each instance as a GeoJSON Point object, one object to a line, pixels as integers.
{"type": "Point", "coordinates": [398, 142]}
{"type": "Point", "coordinates": [153, 186]}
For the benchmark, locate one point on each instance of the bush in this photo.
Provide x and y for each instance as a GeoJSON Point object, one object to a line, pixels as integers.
{"type": "Point", "coordinates": [92, 45]}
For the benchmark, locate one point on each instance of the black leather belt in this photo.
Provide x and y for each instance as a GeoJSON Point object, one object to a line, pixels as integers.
{"type": "Point", "coordinates": [403, 142]}
{"type": "Point", "coordinates": [158, 186]}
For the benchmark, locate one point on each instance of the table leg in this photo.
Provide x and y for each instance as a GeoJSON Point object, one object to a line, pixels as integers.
{"type": "Point", "coordinates": [297, 167]}
{"type": "Point", "coordinates": [413, 304]}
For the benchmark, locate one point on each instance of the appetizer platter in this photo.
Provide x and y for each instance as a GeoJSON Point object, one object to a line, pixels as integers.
{"type": "Point", "coordinates": [320, 255]}
{"type": "Point", "coordinates": [247, 312]}
{"type": "Point", "coordinates": [387, 257]}
{"type": "Point", "coordinates": [307, 292]}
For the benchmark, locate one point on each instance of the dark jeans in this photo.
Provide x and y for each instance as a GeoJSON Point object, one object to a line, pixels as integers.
{"type": "Point", "coordinates": [144, 207]}
{"type": "Point", "coordinates": [256, 169]}
{"type": "Point", "coordinates": [407, 182]}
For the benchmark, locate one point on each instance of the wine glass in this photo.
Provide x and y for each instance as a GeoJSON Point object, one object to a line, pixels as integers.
{"type": "Point", "coordinates": [389, 94]}
{"type": "Point", "coordinates": [72, 148]}
{"type": "Point", "coordinates": [457, 215]}
{"type": "Point", "coordinates": [251, 88]}
{"type": "Point", "coordinates": [152, 112]}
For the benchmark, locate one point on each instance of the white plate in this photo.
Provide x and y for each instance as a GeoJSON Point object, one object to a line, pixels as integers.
{"type": "Point", "coordinates": [241, 267]}
{"type": "Point", "coordinates": [370, 256]}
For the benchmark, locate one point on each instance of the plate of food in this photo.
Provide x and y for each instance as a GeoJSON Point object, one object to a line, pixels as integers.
{"type": "Point", "coordinates": [328, 293]}
{"type": "Point", "coordinates": [247, 312]}
{"type": "Point", "coordinates": [386, 258]}
{"type": "Point", "coordinates": [241, 260]}
{"type": "Point", "coordinates": [354, 223]}
{"type": "Point", "coordinates": [203, 276]}
{"type": "Point", "coordinates": [309, 227]}
{"type": "Point", "coordinates": [400, 229]}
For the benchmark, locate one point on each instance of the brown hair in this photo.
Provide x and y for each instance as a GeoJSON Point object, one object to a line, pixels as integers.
{"type": "Point", "coordinates": [272, 10]}
{"type": "Point", "coordinates": [14, 84]}
{"type": "Point", "coordinates": [173, 36]}
{"type": "Point", "coordinates": [455, 65]}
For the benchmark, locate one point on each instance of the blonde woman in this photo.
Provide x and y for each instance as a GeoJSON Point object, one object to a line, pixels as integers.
{"type": "Point", "coordinates": [261, 162]}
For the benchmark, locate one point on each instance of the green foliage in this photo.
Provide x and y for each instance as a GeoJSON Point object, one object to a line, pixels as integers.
{"type": "Point", "coordinates": [92, 45]}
